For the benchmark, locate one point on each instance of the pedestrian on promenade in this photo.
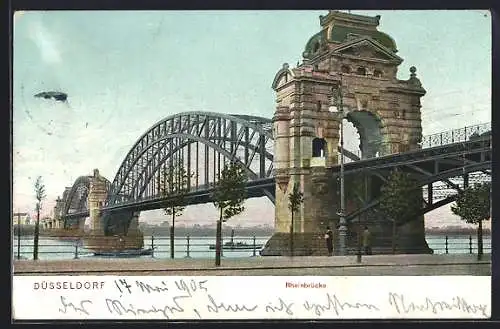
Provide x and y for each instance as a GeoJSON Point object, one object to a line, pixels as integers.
{"type": "Point", "coordinates": [367, 241]}
{"type": "Point", "coordinates": [329, 240]}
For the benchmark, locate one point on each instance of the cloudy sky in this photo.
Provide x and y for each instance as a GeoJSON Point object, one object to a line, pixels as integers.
{"type": "Point", "coordinates": [124, 71]}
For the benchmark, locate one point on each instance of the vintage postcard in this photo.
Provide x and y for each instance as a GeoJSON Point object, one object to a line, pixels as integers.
{"type": "Point", "coordinates": [331, 164]}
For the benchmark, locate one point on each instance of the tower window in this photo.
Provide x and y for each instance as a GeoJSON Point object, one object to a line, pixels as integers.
{"type": "Point", "coordinates": [318, 147]}
{"type": "Point", "coordinates": [361, 71]}
{"type": "Point", "coordinates": [377, 73]}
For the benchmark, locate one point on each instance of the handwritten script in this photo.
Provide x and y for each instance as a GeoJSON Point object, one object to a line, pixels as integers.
{"type": "Point", "coordinates": [405, 305]}
{"type": "Point", "coordinates": [209, 298]}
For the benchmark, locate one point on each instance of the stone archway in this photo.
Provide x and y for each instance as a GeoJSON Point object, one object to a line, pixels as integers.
{"type": "Point", "coordinates": [369, 127]}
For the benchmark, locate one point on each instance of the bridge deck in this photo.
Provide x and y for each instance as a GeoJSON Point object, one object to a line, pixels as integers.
{"type": "Point", "coordinates": [450, 156]}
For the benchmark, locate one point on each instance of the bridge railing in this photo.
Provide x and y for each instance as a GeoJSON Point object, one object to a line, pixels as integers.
{"type": "Point", "coordinates": [185, 247]}
{"type": "Point", "coordinates": [203, 247]}
{"type": "Point", "coordinates": [455, 135]}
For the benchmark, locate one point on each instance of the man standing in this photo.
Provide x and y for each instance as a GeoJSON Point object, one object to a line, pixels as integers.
{"type": "Point", "coordinates": [367, 243]}
{"type": "Point", "coordinates": [329, 240]}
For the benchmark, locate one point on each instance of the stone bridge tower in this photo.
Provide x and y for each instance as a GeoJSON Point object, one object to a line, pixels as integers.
{"type": "Point", "coordinates": [96, 198]}
{"type": "Point", "coordinates": [349, 54]}
{"type": "Point", "coordinates": [129, 238]}
{"type": "Point", "coordinates": [58, 208]}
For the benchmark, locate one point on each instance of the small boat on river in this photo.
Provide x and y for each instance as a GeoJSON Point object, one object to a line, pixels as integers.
{"type": "Point", "coordinates": [238, 245]}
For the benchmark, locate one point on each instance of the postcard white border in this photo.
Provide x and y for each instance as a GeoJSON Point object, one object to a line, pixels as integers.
{"type": "Point", "coordinates": [250, 297]}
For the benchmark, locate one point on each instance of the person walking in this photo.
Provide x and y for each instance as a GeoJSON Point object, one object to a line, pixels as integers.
{"type": "Point", "coordinates": [367, 243]}
{"type": "Point", "coordinates": [329, 240]}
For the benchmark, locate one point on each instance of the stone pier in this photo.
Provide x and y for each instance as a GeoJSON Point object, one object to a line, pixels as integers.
{"type": "Point", "coordinates": [96, 198]}
{"type": "Point", "coordinates": [97, 239]}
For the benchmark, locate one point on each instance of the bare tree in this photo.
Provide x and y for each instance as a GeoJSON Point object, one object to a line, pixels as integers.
{"type": "Point", "coordinates": [40, 196]}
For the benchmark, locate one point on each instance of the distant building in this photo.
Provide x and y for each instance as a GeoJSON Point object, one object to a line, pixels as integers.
{"type": "Point", "coordinates": [50, 223]}
{"type": "Point", "coordinates": [21, 217]}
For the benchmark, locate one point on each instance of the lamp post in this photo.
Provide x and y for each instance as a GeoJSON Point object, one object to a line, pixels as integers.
{"type": "Point", "coordinates": [338, 107]}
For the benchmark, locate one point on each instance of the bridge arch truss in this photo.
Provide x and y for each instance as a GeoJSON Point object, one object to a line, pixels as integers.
{"type": "Point", "coordinates": [201, 142]}
{"type": "Point", "coordinates": [75, 202]}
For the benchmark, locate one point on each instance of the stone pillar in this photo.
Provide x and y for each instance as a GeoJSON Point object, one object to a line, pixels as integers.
{"type": "Point", "coordinates": [281, 132]}
{"type": "Point", "coordinates": [134, 224]}
{"type": "Point", "coordinates": [58, 208]}
{"type": "Point", "coordinates": [96, 198]}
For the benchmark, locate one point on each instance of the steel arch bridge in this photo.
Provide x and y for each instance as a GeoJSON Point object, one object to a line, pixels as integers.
{"type": "Point", "coordinates": [203, 142]}
{"type": "Point", "coordinates": [75, 200]}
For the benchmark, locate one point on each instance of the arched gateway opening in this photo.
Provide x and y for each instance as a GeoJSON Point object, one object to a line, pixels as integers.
{"type": "Point", "coordinates": [364, 129]}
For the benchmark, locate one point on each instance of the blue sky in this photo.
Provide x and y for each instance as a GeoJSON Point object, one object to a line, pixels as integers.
{"type": "Point", "coordinates": [124, 71]}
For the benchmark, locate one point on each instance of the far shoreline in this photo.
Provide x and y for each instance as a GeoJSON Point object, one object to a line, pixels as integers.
{"type": "Point", "coordinates": [240, 232]}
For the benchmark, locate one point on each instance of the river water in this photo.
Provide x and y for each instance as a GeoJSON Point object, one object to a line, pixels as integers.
{"type": "Point", "coordinates": [53, 248]}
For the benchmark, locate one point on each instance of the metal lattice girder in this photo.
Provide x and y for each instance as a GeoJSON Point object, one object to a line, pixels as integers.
{"type": "Point", "coordinates": [203, 194]}
{"type": "Point", "coordinates": [468, 149]}
{"type": "Point", "coordinates": [135, 193]}
{"type": "Point", "coordinates": [77, 196]}
{"type": "Point", "coordinates": [157, 159]}
{"type": "Point", "coordinates": [216, 131]}
{"type": "Point", "coordinates": [439, 177]}
{"type": "Point", "coordinates": [71, 216]}
{"type": "Point", "coordinates": [435, 205]}
{"type": "Point", "coordinates": [440, 190]}
{"type": "Point", "coordinates": [75, 203]}
{"type": "Point", "coordinates": [429, 174]}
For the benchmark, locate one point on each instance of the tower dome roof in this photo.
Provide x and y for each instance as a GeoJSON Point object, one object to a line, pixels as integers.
{"type": "Point", "coordinates": [339, 27]}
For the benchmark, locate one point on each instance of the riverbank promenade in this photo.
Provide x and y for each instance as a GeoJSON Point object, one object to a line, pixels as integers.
{"type": "Point", "coordinates": [456, 264]}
